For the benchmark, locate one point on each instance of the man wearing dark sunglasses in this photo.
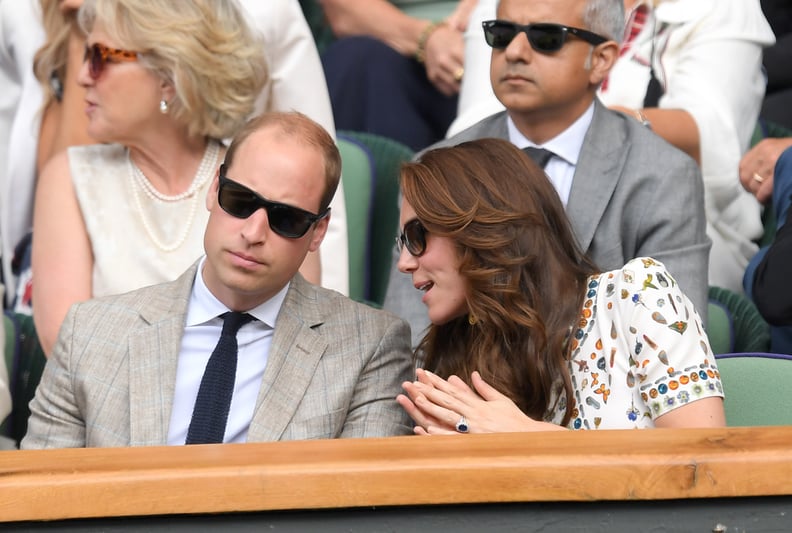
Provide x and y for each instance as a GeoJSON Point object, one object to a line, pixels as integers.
{"type": "Point", "coordinates": [292, 360]}
{"type": "Point", "coordinates": [627, 192]}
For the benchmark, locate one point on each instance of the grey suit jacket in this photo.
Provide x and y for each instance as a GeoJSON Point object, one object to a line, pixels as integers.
{"type": "Point", "coordinates": [334, 370]}
{"type": "Point", "coordinates": [632, 195]}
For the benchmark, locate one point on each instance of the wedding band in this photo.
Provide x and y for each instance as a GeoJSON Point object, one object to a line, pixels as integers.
{"type": "Point", "coordinates": [458, 73]}
{"type": "Point", "coordinates": [757, 178]}
{"type": "Point", "coordinates": [462, 425]}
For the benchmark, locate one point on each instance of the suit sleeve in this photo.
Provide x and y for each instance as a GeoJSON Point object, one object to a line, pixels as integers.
{"type": "Point", "coordinates": [674, 231]}
{"type": "Point", "coordinates": [374, 411]}
{"type": "Point", "coordinates": [55, 419]}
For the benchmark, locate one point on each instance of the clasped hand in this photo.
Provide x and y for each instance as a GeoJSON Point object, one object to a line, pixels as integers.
{"type": "Point", "coordinates": [436, 405]}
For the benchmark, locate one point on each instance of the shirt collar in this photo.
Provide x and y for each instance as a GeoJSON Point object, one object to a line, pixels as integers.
{"type": "Point", "coordinates": [204, 306]}
{"type": "Point", "coordinates": [566, 145]}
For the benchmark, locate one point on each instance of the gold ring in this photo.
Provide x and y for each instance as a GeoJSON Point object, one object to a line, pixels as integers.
{"type": "Point", "coordinates": [458, 73]}
{"type": "Point", "coordinates": [757, 178]}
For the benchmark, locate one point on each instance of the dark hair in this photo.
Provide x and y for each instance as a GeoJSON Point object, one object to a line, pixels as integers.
{"type": "Point", "coordinates": [302, 129]}
{"type": "Point", "coordinates": [526, 274]}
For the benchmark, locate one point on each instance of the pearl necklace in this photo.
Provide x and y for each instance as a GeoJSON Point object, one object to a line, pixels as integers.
{"type": "Point", "coordinates": [202, 176]}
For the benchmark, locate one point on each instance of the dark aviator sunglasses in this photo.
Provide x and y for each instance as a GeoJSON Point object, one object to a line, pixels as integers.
{"type": "Point", "coordinates": [285, 220]}
{"type": "Point", "coordinates": [98, 55]}
{"type": "Point", "coordinates": [412, 237]}
{"type": "Point", "coordinates": [543, 37]}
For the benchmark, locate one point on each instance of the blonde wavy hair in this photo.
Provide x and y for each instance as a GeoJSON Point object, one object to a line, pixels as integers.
{"type": "Point", "coordinates": [204, 48]}
{"type": "Point", "coordinates": [50, 60]}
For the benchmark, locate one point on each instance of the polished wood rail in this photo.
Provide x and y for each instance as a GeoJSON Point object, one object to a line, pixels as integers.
{"type": "Point", "coordinates": [570, 466]}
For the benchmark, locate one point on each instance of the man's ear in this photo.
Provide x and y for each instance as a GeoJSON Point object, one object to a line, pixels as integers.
{"type": "Point", "coordinates": [319, 232]}
{"type": "Point", "coordinates": [603, 57]}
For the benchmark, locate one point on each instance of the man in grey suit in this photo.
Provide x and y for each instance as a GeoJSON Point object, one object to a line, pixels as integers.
{"type": "Point", "coordinates": [627, 192]}
{"type": "Point", "coordinates": [128, 370]}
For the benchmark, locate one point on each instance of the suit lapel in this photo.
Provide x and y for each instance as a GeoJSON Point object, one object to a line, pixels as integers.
{"type": "Point", "coordinates": [495, 126]}
{"type": "Point", "coordinates": [153, 357]}
{"type": "Point", "coordinates": [599, 168]}
{"type": "Point", "coordinates": [294, 355]}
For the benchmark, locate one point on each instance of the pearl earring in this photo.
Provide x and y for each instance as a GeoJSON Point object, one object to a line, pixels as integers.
{"type": "Point", "coordinates": [164, 106]}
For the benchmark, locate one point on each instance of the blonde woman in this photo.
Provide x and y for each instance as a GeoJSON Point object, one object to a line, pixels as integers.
{"type": "Point", "coordinates": [164, 84]}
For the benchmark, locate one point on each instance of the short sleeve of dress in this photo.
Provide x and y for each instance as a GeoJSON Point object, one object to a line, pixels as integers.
{"type": "Point", "coordinates": [670, 358]}
{"type": "Point", "coordinates": [638, 351]}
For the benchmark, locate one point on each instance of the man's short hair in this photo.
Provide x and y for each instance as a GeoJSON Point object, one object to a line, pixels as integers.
{"type": "Point", "coordinates": [299, 128]}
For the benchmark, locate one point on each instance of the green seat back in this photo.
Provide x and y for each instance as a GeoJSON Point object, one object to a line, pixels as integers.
{"type": "Point", "coordinates": [749, 331]}
{"type": "Point", "coordinates": [388, 156]}
{"type": "Point", "coordinates": [25, 360]}
{"type": "Point", "coordinates": [357, 176]}
{"type": "Point", "coordinates": [719, 328]}
{"type": "Point", "coordinates": [8, 360]}
{"type": "Point", "coordinates": [754, 388]}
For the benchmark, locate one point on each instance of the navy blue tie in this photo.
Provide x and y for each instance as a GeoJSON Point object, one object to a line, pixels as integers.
{"type": "Point", "coordinates": [210, 413]}
{"type": "Point", "coordinates": [539, 155]}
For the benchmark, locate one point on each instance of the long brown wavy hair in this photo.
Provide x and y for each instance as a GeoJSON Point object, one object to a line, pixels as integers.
{"type": "Point", "coordinates": [526, 274]}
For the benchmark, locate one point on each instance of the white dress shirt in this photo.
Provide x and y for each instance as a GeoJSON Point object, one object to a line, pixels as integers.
{"type": "Point", "coordinates": [566, 148]}
{"type": "Point", "coordinates": [201, 333]}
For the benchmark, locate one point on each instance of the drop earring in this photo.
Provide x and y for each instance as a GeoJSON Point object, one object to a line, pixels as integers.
{"type": "Point", "coordinates": [163, 106]}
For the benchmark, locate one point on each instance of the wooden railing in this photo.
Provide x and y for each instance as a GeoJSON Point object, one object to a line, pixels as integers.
{"type": "Point", "coordinates": [400, 471]}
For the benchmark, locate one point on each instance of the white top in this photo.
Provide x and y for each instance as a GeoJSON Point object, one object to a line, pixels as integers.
{"type": "Point", "coordinates": [125, 256]}
{"type": "Point", "coordinates": [201, 333]}
{"type": "Point", "coordinates": [21, 35]}
{"type": "Point", "coordinates": [639, 351]}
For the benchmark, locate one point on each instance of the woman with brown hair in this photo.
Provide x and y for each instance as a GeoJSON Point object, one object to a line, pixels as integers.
{"type": "Point", "coordinates": [526, 334]}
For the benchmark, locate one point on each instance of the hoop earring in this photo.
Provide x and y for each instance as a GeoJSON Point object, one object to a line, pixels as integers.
{"type": "Point", "coordinates": [472, 320]}
{"type": "Point", "coordinates": [163, 106]}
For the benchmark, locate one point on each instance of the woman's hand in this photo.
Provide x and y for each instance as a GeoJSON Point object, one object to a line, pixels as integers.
{"type": "Point", "coordinates": [758, 164]}
{"type": "Point", "coordinates": [436, 405]}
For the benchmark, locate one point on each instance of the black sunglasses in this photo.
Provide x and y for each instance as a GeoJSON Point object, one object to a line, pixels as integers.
{"type": "Point", "coordinates": [285, 220]}
{"type": "Point", "coordinates": [544, 37]}
{"type": "Point", "coordinates": [98, 55]}
{"type": "Point", "coordinates": [413, 237]}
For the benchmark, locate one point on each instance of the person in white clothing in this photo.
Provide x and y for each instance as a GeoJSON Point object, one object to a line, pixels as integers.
{"type": "Point", "coordinates": [21, 34]}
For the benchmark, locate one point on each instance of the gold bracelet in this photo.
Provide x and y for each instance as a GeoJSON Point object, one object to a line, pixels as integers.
{"type": "Point", "coordinates": [420, 52]}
